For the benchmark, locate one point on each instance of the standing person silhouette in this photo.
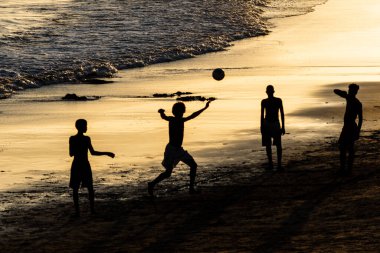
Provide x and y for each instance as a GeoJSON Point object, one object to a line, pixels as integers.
{"type": "Point", "coordinates": [174, 152]}
{"type": "Point", "coordinates": [350, 131]}
{"type": "Point", "coordinates": [81, 174]}
{"type": "Point", "coordinates": [270, 125]}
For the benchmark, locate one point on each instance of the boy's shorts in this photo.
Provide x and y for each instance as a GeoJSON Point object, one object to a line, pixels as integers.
{"type": "Point", "coordinates": [173, 155]}
{"type": "Point", "coordinates": [81, 174]}
{"type": "Point", "coordinates": [271, 130]}
{"type": "Point", "coordinates": [348, 136]}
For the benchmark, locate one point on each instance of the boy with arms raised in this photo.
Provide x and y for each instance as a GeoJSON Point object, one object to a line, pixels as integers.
{"type": "Point", "coordinates": [174, 152]}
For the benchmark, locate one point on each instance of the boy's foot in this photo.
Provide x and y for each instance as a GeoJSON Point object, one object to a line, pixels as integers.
{"type": "Point", "coordinates": [150, 189]}
{"type": "Point", "coordinates": [193, 191]}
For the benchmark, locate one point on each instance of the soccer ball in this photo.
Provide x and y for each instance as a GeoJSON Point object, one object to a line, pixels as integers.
{"type": "Point", "coordinates": [218, 74]}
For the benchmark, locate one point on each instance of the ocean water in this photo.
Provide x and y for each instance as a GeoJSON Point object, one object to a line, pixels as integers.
{"type": "Point", "coordinates": [65, 41]}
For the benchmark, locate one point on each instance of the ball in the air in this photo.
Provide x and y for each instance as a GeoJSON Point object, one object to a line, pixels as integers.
{"type": "Point", "coordinates": [218, 74]}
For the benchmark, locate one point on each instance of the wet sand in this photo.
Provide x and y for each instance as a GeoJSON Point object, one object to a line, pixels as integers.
{"type": "Point", "coordinates": [242, 208]}
{"type": "Point", "coordinates": [307, 208]}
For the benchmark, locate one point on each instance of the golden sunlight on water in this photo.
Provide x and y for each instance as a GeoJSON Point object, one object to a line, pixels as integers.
{"type": "Point", "coordinates": [20, 15]}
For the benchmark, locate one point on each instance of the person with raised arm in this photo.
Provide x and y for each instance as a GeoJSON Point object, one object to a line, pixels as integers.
{"type": "Point", "coordinates": [174, 152]}
{"type": "Point", "coordinates": [351, 130]}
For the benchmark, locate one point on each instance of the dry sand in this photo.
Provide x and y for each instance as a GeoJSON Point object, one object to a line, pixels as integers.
{"type": "Point", "coordinates": [242, 208]}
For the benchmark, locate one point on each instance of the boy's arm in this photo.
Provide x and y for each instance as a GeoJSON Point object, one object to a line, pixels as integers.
{"type": "Point", "coordinates": [196, 114]}
{"type": "Point", "coordinates": [341, 93]}
{"type": "Point", "coordinates": [98, 153]}
{"type": "Point", "coordinates": [71, 147]}
{"type": "Point", "coordinates": [282, 118]}
{"type": "Point", "coordinates": [360, 115]}
{"type": "Point", "coordinates": [163, 115]}
{"type": "Point", "coordinates": [262, 117]}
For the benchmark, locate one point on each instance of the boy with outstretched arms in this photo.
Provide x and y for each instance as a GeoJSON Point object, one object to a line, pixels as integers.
{"type": "Point", "coordinates": [174, 152]}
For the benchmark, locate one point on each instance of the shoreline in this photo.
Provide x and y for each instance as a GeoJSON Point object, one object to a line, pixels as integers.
{"type": "Point", "coordinates": [242, 207]}
{"type": "Point", "coordinates": [94, 74]}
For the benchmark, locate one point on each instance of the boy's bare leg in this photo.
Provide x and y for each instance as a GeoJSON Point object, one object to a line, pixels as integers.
{"type": "Point", "coordinates": [269, 155]}
{"type": "Point", "coordinates": [342, 157]}
{"type": "Point", "coordinates": [162, 176]}
{"type": "Point", "coordinates": [91, 197]}
{"type": "Point", "coordinates": [350, 159]}
{"type": "Point", "coordinates": [193, 172]}
{"type": "Point", "coordinates": [76, 201]}
{"type": "Point", "coordinates": [279, 157]}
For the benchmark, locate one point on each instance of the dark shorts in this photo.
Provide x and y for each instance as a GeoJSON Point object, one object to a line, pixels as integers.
{"type": "Point", "coordinates": [349, 134]}
{"type": "Point", "coordinates": [269, 131]}
{"type": "Point", "coordinates": [173, 155]}
{"type": "Point", "coordinates": [81, 175]}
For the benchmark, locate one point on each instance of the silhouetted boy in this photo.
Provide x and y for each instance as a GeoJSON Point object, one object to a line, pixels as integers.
{"type": "Point", "coordinates": [270, 125]}
{"type": "Point", "coordinates": [174, 153]}
{"type": "Point", "coordinates": [351, 130]}
{"type": "Point", "coordinates": [80, 169]}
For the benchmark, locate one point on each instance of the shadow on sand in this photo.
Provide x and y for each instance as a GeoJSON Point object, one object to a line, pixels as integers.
{"type": "Point", "coordinates": [306, 208]}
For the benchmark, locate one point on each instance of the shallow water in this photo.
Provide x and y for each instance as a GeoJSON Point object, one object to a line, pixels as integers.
{"type": "Point", "coordinates": [44, 41]}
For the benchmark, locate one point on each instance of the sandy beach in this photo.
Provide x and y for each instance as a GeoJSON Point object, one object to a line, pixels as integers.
{"type": "Point", "coordinates": [242, 207]}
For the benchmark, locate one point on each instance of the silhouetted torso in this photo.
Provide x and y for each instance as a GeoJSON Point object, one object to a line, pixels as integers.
{"type": "Point", "coordinates": [79, 145]}
{"type": "Point", "coordinates": [272, 106]}
{"type": "Point", "coordinates": [176, 129]}
{"type": "Point", "coordinates": [80, 168]}
{"type": "Point", "coordinates": [353, 109]}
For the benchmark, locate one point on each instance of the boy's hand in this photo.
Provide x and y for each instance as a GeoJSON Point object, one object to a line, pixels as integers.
{"type": "Point", "coordinates": [283, 131]}
{"type": "Point", "coordinates": [161, 111]}
{"type": "Point", "coordinates": [110, 154]}
{"type": "Point", "coordinates": [208, 103]}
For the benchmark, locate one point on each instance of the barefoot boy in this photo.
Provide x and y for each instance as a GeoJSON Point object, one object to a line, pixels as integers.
{"type": "Point", "coordinates": [80, 169]}
{"type": "Point", "coordinates": [270, 125]}
{"type": "Point", "coordinates": [174, 153]}
{"type": "Point", "coordinates": [351, 130]}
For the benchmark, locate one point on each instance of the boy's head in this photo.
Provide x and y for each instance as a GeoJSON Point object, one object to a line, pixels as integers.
{"type": "Point", "coordinates": [81, 125]}
{"type": "Point", "coordinates": [353, 89]}
{"type": "Point", "coordinates": [178, 109]}
{"type": "Point", "coordinates": [270, 90]}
